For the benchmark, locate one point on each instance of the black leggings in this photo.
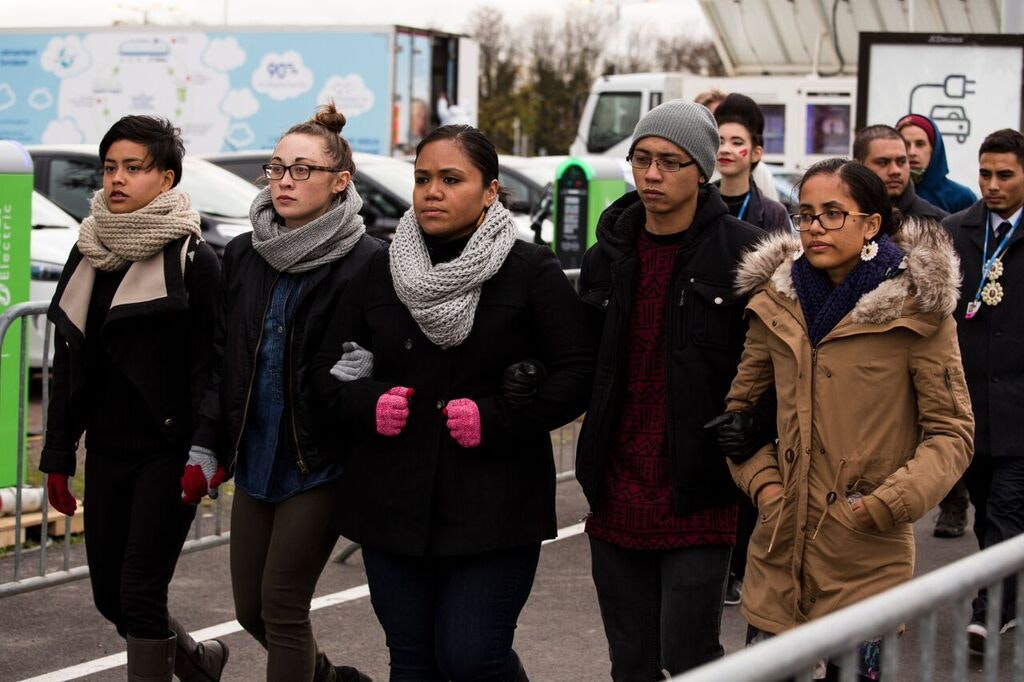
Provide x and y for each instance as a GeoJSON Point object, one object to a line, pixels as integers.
{"type": "Point", "coordinates": [134, 530]}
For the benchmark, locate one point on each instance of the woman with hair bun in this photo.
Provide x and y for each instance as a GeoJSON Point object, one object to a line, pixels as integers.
{"type": "Point", "coordinates": [258, 418]}
{"type": "Point", "coordinates": [851, 323]}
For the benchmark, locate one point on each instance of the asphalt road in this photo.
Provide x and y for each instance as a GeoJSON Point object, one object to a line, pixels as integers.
{"type": "Point", "coordinates": [559, 636]}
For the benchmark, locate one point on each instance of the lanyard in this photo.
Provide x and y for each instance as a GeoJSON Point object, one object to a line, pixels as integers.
{"type": "Point", "coordinates": [986, 262]}
{"type": "Point", "coordinates": [746, 200]}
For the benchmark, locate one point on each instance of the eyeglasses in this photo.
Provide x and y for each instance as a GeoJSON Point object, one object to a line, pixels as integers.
{"type": "Point", "coordinates": [666, 165]}
{"type": "Point", "coordinates": [298, 171]}
{"type": "Point", "coordinates": [832, 219]}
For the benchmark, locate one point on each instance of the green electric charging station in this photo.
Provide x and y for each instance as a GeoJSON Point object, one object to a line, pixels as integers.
{"type": "Point", "coordinates": [584, 187]}
{"type": "Point", "coordinates": [15, 235]}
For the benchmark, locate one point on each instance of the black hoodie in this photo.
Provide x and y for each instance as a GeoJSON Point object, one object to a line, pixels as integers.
{"type": "Point", "coordinates": [705, 331]}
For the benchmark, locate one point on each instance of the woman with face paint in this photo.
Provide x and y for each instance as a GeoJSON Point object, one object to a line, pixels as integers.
{"type": "Point", "coordinates": [741, 130]}
{"type": "Point", "coordinates": [133, 313]}
{"type": "Point", "coordinates": [478, 353]}
{"type": "Point", "coordinates": [851, 324]}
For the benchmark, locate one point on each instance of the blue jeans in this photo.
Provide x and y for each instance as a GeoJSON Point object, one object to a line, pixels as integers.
{"type": "Point", "coordinates": [661, 609]}
{"type": "Point", "coordinates": [451, 618]}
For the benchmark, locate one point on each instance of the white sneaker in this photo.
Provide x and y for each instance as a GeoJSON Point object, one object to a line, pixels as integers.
{"type": "Point", "coordinates": [1007, 626]}
{"type": "Point", "coordinates": [977, 633]}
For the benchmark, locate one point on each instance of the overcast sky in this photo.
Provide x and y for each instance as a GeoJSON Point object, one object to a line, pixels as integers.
{"type": "Point", "coordinates": [660, 16]}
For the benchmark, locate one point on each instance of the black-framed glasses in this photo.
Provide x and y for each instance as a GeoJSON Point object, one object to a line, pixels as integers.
{"type": "Point", "coordinates": [832, 219]}
{"type": "Point", "coordinates": [298, 171]}
{"type": "Point", "coordinates": [665, 165]}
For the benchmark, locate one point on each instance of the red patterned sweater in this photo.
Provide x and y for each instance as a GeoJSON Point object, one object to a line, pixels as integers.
{"type": "Point", "coordinates": [637, 512]}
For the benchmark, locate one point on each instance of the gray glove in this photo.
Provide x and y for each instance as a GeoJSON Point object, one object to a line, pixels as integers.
{"type": "Point", "coordinates": [356, 363]}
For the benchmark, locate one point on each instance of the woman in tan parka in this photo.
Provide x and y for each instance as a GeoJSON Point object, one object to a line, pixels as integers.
{"type": "Point", "coordinates": [851, 323]}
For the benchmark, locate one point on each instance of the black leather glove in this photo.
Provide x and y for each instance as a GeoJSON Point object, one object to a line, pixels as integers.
{"type": "Point", "coordinates": [737, 438]}
{"type": "Point", "coordinates": [520, 380]}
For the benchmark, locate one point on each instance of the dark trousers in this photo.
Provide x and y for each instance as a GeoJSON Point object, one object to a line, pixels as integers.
{"type": "Point", "coordinates": [278, 551]}
{"type": "Point", "coordinates": [746, 520]}
{"type": "Point", "coordinates": [957, 498]}
{"type": "Point", "coordinates": [451, 618]}
{"type": "Point", "coordinates": [996, 486]}
{"type": "Point", "coordinates": [134, 531]}
{"type": "Point", "coordinates": [661, 609]}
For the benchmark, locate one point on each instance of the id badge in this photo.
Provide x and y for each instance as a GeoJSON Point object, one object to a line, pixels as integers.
{"type": "Point", "coordinates": [972, 309]}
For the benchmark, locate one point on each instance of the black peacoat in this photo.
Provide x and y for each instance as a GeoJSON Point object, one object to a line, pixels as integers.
{"type": "Point", "coordinates": [420, 493]}
{"type": "Point", "coordinates": [990, 342]}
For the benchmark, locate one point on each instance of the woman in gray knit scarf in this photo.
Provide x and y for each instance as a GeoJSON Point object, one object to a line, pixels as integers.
{"type": "Point", "coordinates": [461, 349]}
{"type": "Point", "coordinates": [258, 420]}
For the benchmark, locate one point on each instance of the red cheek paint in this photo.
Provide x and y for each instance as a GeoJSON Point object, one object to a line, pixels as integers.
{"type": "Point", "coordinates": [743, 153]}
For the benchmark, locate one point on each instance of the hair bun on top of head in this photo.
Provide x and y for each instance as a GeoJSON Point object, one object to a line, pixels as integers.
{"type": "Point", "coordinates": [329, 117]}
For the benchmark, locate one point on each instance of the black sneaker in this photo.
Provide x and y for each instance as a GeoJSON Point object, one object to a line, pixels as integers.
{"type": "Point", "coordinates": [951, 523]}
{"type": "Point", "coordinates": [734, 591]}
{"type": "Point", "coordinates": [977, 633]}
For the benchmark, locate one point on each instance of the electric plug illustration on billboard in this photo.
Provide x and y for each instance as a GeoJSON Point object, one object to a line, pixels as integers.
{"type": "Point", "coordinates": [950, 117]}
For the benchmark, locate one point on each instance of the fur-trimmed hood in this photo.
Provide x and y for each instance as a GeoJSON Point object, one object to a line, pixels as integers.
{"type": "Point", "coordinates": [930, 283]}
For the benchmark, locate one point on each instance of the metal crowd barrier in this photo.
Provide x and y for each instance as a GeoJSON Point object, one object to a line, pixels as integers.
{"type": "Point", "coordinates": [44, 574]}
{"type": "Point", "coordinates": [793, 654]}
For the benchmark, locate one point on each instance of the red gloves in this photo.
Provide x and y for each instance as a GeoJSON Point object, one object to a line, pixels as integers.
{"type": "Point", "coordinates": [393, 410]}
{"type": "Point", "coordinates": [59, 493]}
{"type": "Point", "coordinates": [464, 422]}
{"type": "Point", "coordinates": [202, 475]}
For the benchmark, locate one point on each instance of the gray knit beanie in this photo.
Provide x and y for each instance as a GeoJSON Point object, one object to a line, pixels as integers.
{"type": "Point", "coordinates": [686, 124]}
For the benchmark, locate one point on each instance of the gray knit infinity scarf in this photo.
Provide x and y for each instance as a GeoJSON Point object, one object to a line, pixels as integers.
{"type": "Point", "coordinates": [320, 241]}
{"type": "Point", "coordinates": [442, 298]}
{"type": "Point", "coordinates": [113, 241]}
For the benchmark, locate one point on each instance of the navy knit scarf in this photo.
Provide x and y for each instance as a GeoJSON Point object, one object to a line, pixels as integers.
{"type": "Point", "coordinates": [824, 305]}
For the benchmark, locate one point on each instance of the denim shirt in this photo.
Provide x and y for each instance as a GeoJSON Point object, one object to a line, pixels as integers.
{"type": "Point", "coordinates": [267, 469]}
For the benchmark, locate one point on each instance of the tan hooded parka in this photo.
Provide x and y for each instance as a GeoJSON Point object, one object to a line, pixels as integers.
{"type": "Point", "coordinates": [879, 408]}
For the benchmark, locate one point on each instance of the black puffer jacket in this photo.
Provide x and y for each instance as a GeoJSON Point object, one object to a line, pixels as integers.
{"type": "Point", "coordinates": [246, 288]}
{"type": "Point", "coordinates": [705, 331]}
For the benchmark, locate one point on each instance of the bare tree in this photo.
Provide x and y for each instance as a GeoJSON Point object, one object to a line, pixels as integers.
{"type": "Point", "coordinates": [499, 76]}
{"type": "Point", "coordinates": [684, 53]}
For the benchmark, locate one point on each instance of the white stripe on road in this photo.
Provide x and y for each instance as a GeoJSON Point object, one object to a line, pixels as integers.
{"type": "Point", "coordinates": [231, 627]}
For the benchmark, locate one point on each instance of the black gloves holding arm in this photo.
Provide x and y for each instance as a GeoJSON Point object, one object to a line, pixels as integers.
{"type": "Point", "coordinates": [519, 382]}
{"type": "Point", "coordinates": [741, 434]}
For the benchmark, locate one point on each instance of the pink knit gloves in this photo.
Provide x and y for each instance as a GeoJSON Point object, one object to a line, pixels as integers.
{"type": "Point", "coordinates": [393, 410]}
{"type": "Point", "coordinates": [464, 422]}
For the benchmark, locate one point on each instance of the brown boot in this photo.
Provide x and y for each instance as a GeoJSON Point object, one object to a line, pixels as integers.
{"type": "Point", "coordinates": [197, 661]}
{"type": "Point", "coordinates": [150, 660]}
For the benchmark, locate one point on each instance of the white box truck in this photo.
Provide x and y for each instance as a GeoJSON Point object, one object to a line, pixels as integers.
{"type": "Point", "coordinates": [233, 88]}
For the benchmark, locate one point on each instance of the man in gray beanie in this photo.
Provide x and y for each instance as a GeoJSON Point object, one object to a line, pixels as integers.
{"type": "Point", "coordinates": [658, 287]}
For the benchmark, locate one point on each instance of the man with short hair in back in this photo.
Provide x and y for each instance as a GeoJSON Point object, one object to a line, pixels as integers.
{"type": "Point", "coordinates": [990, 327]}
{"type": "Point", "coordinates": [880, 148]}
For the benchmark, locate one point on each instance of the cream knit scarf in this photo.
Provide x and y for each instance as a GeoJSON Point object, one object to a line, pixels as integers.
{"type": "Point", "coordinates": [113, 241]}
{"type": "Point", "coordinates": [443, 298]}
{"type": "Point", "coordinates": [322, 240]}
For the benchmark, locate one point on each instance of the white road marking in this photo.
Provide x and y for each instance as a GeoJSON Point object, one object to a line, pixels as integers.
{"type": "Point", "coordinates": [231, 627]}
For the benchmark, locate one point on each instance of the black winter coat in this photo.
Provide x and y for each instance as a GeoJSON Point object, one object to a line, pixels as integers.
{"type": "Point", "coordinates": [705, 331]}
{"type": "Point", "coordinates": [990, 342]}
{"type": "Point", "coordinates": [247, 285]}
{"type": "Point", "coordinates": [420, 493]}
{"type": "Point", "coordinates": [909, 203]}
{"type": "Point", "coordinates": [162, 345]}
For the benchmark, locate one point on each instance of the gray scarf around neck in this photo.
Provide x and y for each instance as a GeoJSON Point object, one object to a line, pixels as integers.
{"type": "Point", "coordinates": [442, 298]}
{"type": "Point", "coordinates": [320, 241]}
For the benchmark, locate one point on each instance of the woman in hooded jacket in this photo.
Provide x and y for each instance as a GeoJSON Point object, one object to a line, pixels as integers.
{"type": "Point", "coordinates": [851, 323]}
{"type": "Point", "coordinates": [258, 419]}
{"type": "Point", "coordinates": [478, 351]}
